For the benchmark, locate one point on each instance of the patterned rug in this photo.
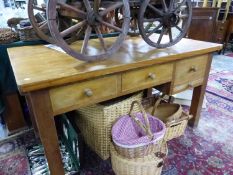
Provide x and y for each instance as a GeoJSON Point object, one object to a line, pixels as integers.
{"type": "Point", "coordinates": [220, 83]}
{"type": "Point", "coordinates": [13, 159]}
{"type": "Point", "coordinates": [208, 149]}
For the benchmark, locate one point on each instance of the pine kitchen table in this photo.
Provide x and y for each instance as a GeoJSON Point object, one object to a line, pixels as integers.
{"type": "Point", "coordinates": [54, 82]}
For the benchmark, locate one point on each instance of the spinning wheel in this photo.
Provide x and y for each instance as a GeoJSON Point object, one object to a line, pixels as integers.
{"type": "Point", "coordinates": [166, 17]}
{"type": "Point", "coordinates": [38, 20]}
{"type": "Point", "coordinates": [89, 18]}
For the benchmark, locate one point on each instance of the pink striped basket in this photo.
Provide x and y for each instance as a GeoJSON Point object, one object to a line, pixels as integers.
{"type": "Point", "coordinates": [137, 135]}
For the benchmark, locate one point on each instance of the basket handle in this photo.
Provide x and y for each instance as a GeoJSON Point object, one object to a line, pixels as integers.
{"type": "Point", "coordinates": [185, 117]}
{"type": "Point", "coordinates": [146, 128]}
{"type": "Point", "coordinates": [157, 103]}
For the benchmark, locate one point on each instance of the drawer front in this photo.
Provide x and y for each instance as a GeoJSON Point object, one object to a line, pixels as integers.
{"type": "Point", "coordinates": [79, 94]}
{"type": "Point", "coordinates": [190, 73]}
{"type": "Point", "coordinates": [146, 77]}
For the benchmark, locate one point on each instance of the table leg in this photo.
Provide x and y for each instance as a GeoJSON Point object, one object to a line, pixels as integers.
{"type": "Point", "coordinates": [198, 96]}
{"type": "Point", "coordinates": [43, 114]}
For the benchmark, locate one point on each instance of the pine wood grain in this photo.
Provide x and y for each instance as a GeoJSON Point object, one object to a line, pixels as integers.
{"type": "Point", "coordinates": [147, 77]}
{"type": "Point", "coordinates": [37, 67]}
{"type": "Point", "coordinates": [73, 96]}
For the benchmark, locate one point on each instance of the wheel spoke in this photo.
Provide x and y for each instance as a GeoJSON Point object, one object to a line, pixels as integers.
{"type": "Point", "coordinates": [170, 34]}
{"type": "Point", "coordinates": [110, 25]}
{"type": "Point", "coordinates": [86, 39]}
{"type": "Point", "coordinates": [155, 9]}
{"type": "Point", "coordinates": [73, 28]}
{"type": "Point", "coordinates": [43, 24]}
{"type": "Point", "coordinates": [179, 6]}
{"type": "Point", "coordinates": [154, 30]}
{"type": "Point", "coordinates": [111, 8]}
{"type": "Point", "coordinates": [181, 30]}
{"type": "Point", "coordinates": [87, 5]}
{"type": "Point", "coordinates": [164, 5]}
{"type": "Point", "coordinates": [161, 35]}
{"type": "Point", "coordinates": [80, 33]}
{"type": "Point", "coordinates": [96, 5]}
{"type": "Point", "coordinates": [183, 16]}
{"type": "Point", "coordinates": [101, 39]}
{"type": "Point", "coordinates": [39, 8]}
{"type": "Point", "coordinates": [171, 4]}
{"type": "Point", "coordinates": [81, 13]}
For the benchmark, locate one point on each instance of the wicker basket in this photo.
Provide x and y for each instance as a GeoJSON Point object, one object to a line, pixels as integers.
{"type": "Point", "coordinates": [177, 127]}
{"type": "Point", "coordinates": [148, 165]}
{"type": "Point", "coordinates": [95, 122]}
{"type": "Point", "coordinates": [137, 134]}
{"type": "Point", "coordinates": [140, 151]}
{"type": "Point", "coordinates": [171, 114]}
{"type": "Point", "coordinates": [27, 34]}
{"type": "Point", "coordinates": [7, 36]}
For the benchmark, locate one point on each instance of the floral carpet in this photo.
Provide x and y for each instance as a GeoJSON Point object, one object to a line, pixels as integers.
{"type": "Point", "coordinates": [220, 83]}
{"type": "Point", "coordinates": [208, 149]}
{"type": "Point", "coordinates": [13, 159]}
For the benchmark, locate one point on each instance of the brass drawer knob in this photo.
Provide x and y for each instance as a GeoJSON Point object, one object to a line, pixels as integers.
{"type": "Point", "coordinates": [151, 76]}
{"type": "Point", "coordinates": [193, 69]}
{"type": "Point", "coordinates": [88, 92]}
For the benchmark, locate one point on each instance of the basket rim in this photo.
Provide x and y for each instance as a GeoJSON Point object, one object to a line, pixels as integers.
{"type": "Point", "coordinates": [140, 145]}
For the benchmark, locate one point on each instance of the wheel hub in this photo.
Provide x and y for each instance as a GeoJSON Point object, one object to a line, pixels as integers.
{"type": "Point", "coordinates": [92, 18]}
{"type": "Point", "coordinates": [170, 20]}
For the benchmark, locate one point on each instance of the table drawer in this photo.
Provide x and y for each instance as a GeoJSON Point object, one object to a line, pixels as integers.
{"type": "Point", "coordinates": [146, 77]}
{"type": "Point", "coordinates": [190, 72]}
{"type": "Point", "coordinates": [79, 94]}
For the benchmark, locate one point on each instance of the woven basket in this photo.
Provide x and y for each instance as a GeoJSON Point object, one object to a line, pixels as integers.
{"type": "Point", "coordinates": [148, 165]}
{"type": "Point", "coordinates": [95, 122]}
{"type": "Point", "coordinates": [140, 151]}
{"type": "Point", "coordinates": [27, 34]}
{"type": "Point", "coordinates": [7, 36]}
{"type": "Point", "coordinates": [137, 134]}
{"type": "Point", "coordinates": [171, 114]}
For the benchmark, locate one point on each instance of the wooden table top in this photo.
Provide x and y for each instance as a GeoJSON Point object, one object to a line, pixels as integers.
{"type": "Point", "coordinates": [38, 67]}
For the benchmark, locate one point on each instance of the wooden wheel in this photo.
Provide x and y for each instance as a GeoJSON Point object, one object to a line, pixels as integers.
{"type": "Point", "coordinates": [38, 20]}
{"type": "Point", "coordinates": [166, 17]}
{"type": "Point", "coordinates": [90, 17]}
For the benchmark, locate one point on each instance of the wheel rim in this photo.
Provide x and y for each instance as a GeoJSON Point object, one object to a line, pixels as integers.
{"type": "Point", "coordinates": [171, 18]}
{"type": "Point", "coordinates": [39, 28]}
{"type": "Point", "coordinates": [91, 19]}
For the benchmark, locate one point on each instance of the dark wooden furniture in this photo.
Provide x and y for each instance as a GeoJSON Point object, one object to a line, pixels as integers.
{"type": "Point", "coordinates": [229, 31]}
{"type": "Point", "coordinates": [203, 24]}
{"type": "Point", "coordinates": [220, 31]}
